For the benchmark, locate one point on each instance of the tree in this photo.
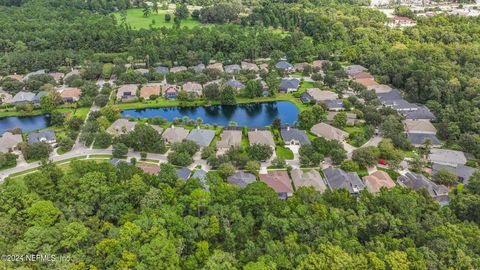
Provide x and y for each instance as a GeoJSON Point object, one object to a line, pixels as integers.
{"type": "Point", "coordinates": [37, 150]}
{"type": "Point", "coordinates": [46, 104]}
{"type": "Point", "coordinates": [111, 113]}
{"type": "Point", "coordinates": [119, 150]}
{"type": "Point", "coordinates": [279, 162]}
{"type": "Point", "coordinates": [168, 18]}
{"type": "Point", "coordinates": [146, 10]}
{"type": "Point", "coordinates": [225, 170]}
{"type": "Point", "coordinates": [252, 166]}
{"type": "Point", "coordinates": [366, 156]}
{"type": "Point", "coordinates": [277, 123]}
{"type": "Point", "coordinates": [187, 146]}
{"type": "Point", "coordinates": [200, 200]}
{"type": "Point", "coordinates": [211, 92]}
{"type": "Point", "coordinates": [253, 89]}
{"type": "Point", "coordinates": [101, 100]}
{"type": "Point", "coordinates": [340, 120]}
{"type": "Point", "coordinates": [445, 177]}
{"type": "Point", "coordinates": [65, 143]}
{"type": "Point", "coordinates": [417, 164]}
{"type": "Point", "coordinates": [103, 140]}
{"type": "Point", "coordinates": [349, 166]}
{"type": "Point", "coordinates": [8, 160]}
{"type": "Point", "coordinates": [259, 152]}
{"type": "Point", "coordinates": [181, 12]}
{"type": "Point", "coordinates": [180, 158]}
{"type": "Point", "coordinates": [227, 96]}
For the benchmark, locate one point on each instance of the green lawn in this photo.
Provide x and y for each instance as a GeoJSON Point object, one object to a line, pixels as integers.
{"type": "Point", "coordinates": [136, 19]}
{"type": "Point", "coordinates": [284, 153]}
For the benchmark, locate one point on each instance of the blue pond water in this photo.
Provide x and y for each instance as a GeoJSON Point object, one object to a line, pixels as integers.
{"type": "Point", "coordinates": [27, 123]}
{"type": "Point", "coordinates": [251, 115]}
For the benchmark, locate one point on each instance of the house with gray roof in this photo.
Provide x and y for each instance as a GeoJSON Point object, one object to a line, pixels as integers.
{"type": "Point", "coordinates": [178, 69]}
{"type": "Point", "coordinates": [447, 157]}
{"type": "Point", "coordinates": [202, 137]}
{"type": "Point", "coordinates": [418, 182]}
{"type": "Point", "coordinates": [230, 138]}
{"type": "Point", "coordinates": [289, 85]}
{"type": "Point", "coordinates": [352, 69]}
{"type": "Point", "coordinates": [47, 136]}
{"type": "Point", "coordinates": [38, 96]}
{"type": "Point", "coordinates": [333, 104]}
{"type": "Point", "coordinates": [9, 142]}
{"type": "Point", "coordinates": [161, 70]}
{"type": "Point", "coordinates": [121, 126]}
{"type": "Point", "coordinates": [261, 137]}
{"type": "Point", "coordinates": [241, 179]}
{"type": "Point", "coordinates": [284, 66]}
{"type": "Point", "coordinates": [5, 97]}
{"type": "Point", "coordinates": [232, 68]}
{"type": "Point", "coordinates": [235, 84]}
{"type": "Point", "coordinates": [184, 173]}
{"type": "Point", "coordinates": [293, 136]}
{"type": "Point", "coordinates": [422, 112]}
{"type": "Point", "coordinates": [198, 68]}
{"type": "Point", "coordinates": [174, 134]}
{"type": "Point", "coordinates": [201, 175]}
{"type": "Point", "coordinates": [127, 92]}
{"type": "Point", "coordinates": [23, 97]}
{"type": "Point", "coordinates": [462, 172]}
{"type": "Point", "coordinates": [417, 139]}
{"type": "Point", "coordinates": [311, 178]}
{"type": "Point", "coordinates": [339, 179]}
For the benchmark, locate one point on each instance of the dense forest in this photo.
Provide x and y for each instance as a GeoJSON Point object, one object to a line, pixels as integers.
{"type": "Point", "coordinates": [120, 218]}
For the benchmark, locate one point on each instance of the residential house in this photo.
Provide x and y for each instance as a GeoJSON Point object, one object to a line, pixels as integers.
{"type": "Point", "coordinates": [462, 172]}
{"type": "Point", "coordinates": [362, 75]}
{"type": "Point", "coordinates": [447, 157]}
{"type": "Point", "coordinates": [38, 72]}
{"type": "Point", "coordinates": [217, 66]}
{"type": "Point", "coordinates": [375, 181]}
{"type": "Point", "coordinates": [198, 68]}
{"type": "Point", "coordinates": [419, 126]}
{"type": "Point", "coordinates": [170, 91]}
{"type": "Point", "coordinates": [174, 134]}
{"type": "Point", "coordinates": [121, 126]}
{"type": "Point", "coordinates": [236, 84]}
{"type": "Point", "coordinates": [149, 90]}
{"type": "Point", "coordinates": [394, 100]}
{"type": "Point", "coordinates": [23, 97]}
{"type": "Point", "coordinates": [421, 112]}
{"type": "Point", "coordinates": [127, 92]}
{"type": "Point", "coordinates": [311, 178]}
{"type": "Point", "coordinates": [178, 69]}
{"type": "Point", "coordinates": [161, 70]}
{"type": "Point", "coordinates": [152, 169]}
{"type": "Point", "coordinates": [418, 182]}
{"type": "Point", "coordinates": [57, 76]}
{"type": "Point", "coordinates": [350, 70]}
{"type": "Point", "coordinates": [9, 142]}
{"type": "Point", "coordinates": [184, 173]}
{"type": "Point", "coordinates": [329, 132]}
{"type": "Point", "coordinates": [333, 104]}
{"type": "Point", "coordinates": [351, 118]}
{"type": "Point", "coordinates": [230, 138]}
{"type": "Point", "coordinates": [70, 94]}
{"type": "Point", "coordinates": [279, 181]}
{"type": "Point", "coordinates": [300, 66]}
{"type": "Point", "coordinates": [16, 77]}
{"type": "Point", "coordinates": [116, 161]}
{"type": "Point", "coordinates": [249, 66]}
{"type": "Point", "coordinates": [202, 137]}
{"type": "Point", "coordinates": [293, 136]}
{"type": "Point", "coordinates": [418, 139]}
{"type": "Point", "coordinates": [320, 95]}
{"type": "Point", "coordinates": [339, 179]}
{"type": "Point", "coordinates": [318, 64]}
{"type": "Point", "coordinates": [193, 88]}
{"type": "Point", "coordinates": [241, 179]}
{"type": "Point", "coordinates": [289, 85]}
{"type": "Point", "coordinates": [261, 137]}
{"type": "Point", "coordinates": [201, 175]}
{"type": "Point", "coordinates": [284, 66]}
{"type": "Point", "coordinates": [142, 71]}
{"type": "Point", "coordinates": [367, 82]}
{"type": "Point", "coordinates": [157, 128]}
{"type": "Point", "coordinates": [232, 68]}
{"type": "Point", "coordinates": [47, 136]}
{"type": "Point", "coordinates": [74, 72]}
{"type": "Point", "coordinates": [263, 67]}
{"type": "Point", "coordinates": [402, 21]}
{"type": "Point", "coordinates": [5, 97]}
{"type": "Point", "coordinates": [38, 96]}
{"type": "Point", "coordinates": [380, 88]}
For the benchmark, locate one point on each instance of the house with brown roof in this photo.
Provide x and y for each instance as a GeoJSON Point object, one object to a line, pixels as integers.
{"type": "Point", "coordinates": [174, 134]}
{"type": "Point", "coordinates": [301, 66]}
{"type": "Point", "coordinates": [16, 77]}
{"type": "Point", "coordinates": [263, 67]}
{"type": "Point", "coordinates": [321, 95]}
{"type": "Point", "coordinates": [375, 181]}
{"type": "Point", "coordinates": [149, 168]}
{"type": "Point", "coordinates": [193, 88]}
{"type": "Point", "coordinates": [9, 142]}
{"type": "Point", "coordinates": [261, 137]}
{"type": "Point", "coordinates": [217, 66]}
{"type": "Point", "coordinates": [380, 88]}
{"type": "Point", "coordinates": [150, 90]}
{"type": "Point", "coordinates": [178, 69]}
{"type": "Point", "coordinates": [366, 82]}
{"type": "Point", "coordinates": [121, 126]}
{"type": "Point", "coordinates": [127, 92]}
{"type": "Point", "coordinates": [329, 132]}
{"type": "Point", "coordinates": [279, 181]}
{"type": "Point", "coordinates": [249, 66]}
{"type": "Point", "coordinates": [57, 76]}
{"type": "Point", "coordinates": [419, 126]}
{"type": "Point", "coordinates": [5, 97]}
{"type": "Point", "coordinates": [70, 94]}
{"type": "Point", "coordinates": [311, 178]}
{"type": "Point", "coordinates": [318, 64]}
{"type": "Point", "coordinates": [230, 138]}
{"type": "Point", "coordinates": [362, 75]}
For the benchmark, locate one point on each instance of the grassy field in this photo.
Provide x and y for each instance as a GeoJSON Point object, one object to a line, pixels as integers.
{"type": "Point", "coordinates": [284, 153]}
{"type": "Point", "coordinates": [136, 19]}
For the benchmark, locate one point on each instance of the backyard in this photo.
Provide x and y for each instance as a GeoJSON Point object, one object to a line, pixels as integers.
{"type": "Point", "coordinates": [137, 20]}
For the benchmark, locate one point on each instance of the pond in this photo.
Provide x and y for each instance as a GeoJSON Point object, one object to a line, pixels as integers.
{"type": "Point", "coordinates": [26, 123]}
{"type": "Point", "coordinates": [250, 115]}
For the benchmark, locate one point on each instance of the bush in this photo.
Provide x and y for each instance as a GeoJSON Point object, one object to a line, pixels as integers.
{"type": "Point", "coordinates": [103, 140]}
{"type": "Point", "coordinates": [119, 150]}
{"type": "Point", "coordinates": [180, 158]}
{"type": "Point", "coordinates": [37, 150]}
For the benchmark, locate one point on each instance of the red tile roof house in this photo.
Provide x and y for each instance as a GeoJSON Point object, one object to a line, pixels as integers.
{"type": "Point", "coordinates": [279, 181]}
{"type": "Point", "coordinates": [150, 90]}
{"type": "Point", "coordinates": [71, 94]}
{"type": "Point", "coordinates": [149, 168]}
